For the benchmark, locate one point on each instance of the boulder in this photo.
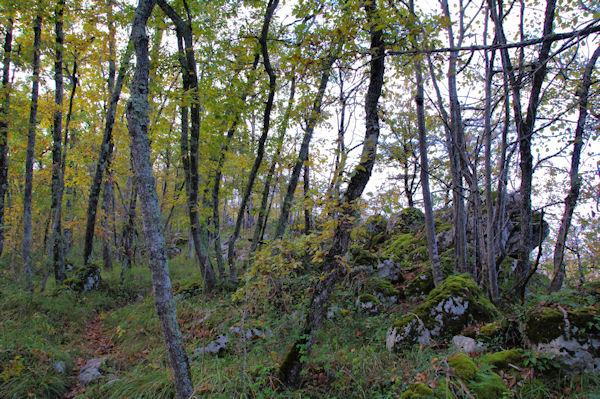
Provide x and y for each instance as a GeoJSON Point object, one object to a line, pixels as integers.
{"type": "Point", "coordinates": [390, 271]}
{"type": "Point", "coordinates": [368, 303]}
{"type": "Point", "coordinates": [569, 336]}
{"type": "Point", "coordinates": [457, 303]}
{"type": "Point", "coordinates": [83, 279]}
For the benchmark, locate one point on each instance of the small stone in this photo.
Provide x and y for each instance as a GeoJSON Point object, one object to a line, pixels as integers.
{"type": "Point", "coordinates": [215, 347]}
{"type": "Point", "coordinates": [467, 345]}
{"type": "Point", "coordinates": [60, 367]}
{"type": "Point", "coordinates": [90, 372]}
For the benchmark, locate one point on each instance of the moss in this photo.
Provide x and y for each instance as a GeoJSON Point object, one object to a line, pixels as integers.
{"type": "Point", "coordinates": [190, 289]}
{"type": "Point", "coordinates": [418, 254]}
{"type": "Point", "coordinates": [489, 386]}
{"type": "Point", "coordinates": [441, 225]}
{"type": "Point", "coordinates": [586, 318]}
{"type": "Point", "coordinates": [408, 220]}
{"type": "Point", "coordinates": [381, 286]}
{"type": "Point", "coordinates": [418, 390]}
{"type": "Point", "coordinates": [484, 384]}
{"type": "Point", "coordinates": [365, 298]}
{"type": "Point", "coordinates": [544, 325]}
{"type": "Point", "coordinates": [464, 366]}
{"type": "Point", "coordinates": [503, 358]}
{"type": "Point", "coordinates": [401, 246]}
{"type": "Point", "coordinates": [362, 256]}
{"type": "Point", "coordinates": [442, 390]}
{"type": "Point", "coordinates": [421, 284]}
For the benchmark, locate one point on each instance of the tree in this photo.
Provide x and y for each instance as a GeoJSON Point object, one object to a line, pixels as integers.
{"type": "Point", "coordinates": [137, 116]}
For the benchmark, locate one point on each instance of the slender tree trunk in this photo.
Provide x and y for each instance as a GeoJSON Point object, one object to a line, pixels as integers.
{"type": "Point", "coordinates": [271, 6]}
{"type": "Point", "coordinates": [107, 211]}
{"type": "Point", "coordinates": [575, 180]}
{"type": "Point", "coordinates": [262, 212]}
{"type": "Point", "coordinates": [492, 275]}
{"type": "Point", "coordinates": [525, 128]}
{"type": "Point", "coordinates": [106, 148]}
{"type": "Point", "coordinates": [56, 250]}
{"type": "Point", "coordinates": [129, 233]}
{"type": "Point", "coordinates": [291, 368]}
{"type": "Point", "coordinates": [27, 192]}
{"type": "Point", "coordinates": [218, 174]}
{"type": "Point", "coordinates": [307, 207]}
{"type": "Point", "coordinates": [67, 233]}
{"type": "Point", "coordinates": [190, 152]}
{"type": "Point", "coordinates": [303, 154]}
{"type": "Point", "coordinates": [137, 116]}
{"type": "Point", "coordinates": [436, 268]}
{"type": "Point", "coordinates": [4, 111]}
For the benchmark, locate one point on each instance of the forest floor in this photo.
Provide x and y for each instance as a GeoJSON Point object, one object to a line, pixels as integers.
{"type": "Point", "coordinates": [350, 359]}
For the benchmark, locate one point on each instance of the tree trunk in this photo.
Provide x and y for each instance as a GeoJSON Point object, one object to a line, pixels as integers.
{"type": "Point", "coordinates": [436, 269]}
{"type": "Point", "coordinates": [262, 212]}
{"type": "Point", "coordinates": [4, 112]}
{"type": "Point", "coordinates": [307, 207]}
{"type": "Point", "coordinates": [187, 61]}
{"type": "Point", "coordinates": [27, 192]}
{"type": "Point", "coordinates": [575, 180]}
{"type": "Point", "coordinates": [67, 233]}
{"type": "Point", "coordinates": [137, 116]}
{"type": "Point", "coordinates": [271, 6]}
{"type": "Point", "coordinates": [129, 233]}
{"type": "Point", "coordinates": [56, 250]}
{"type": "Point", "coordinates": [303, 154]}
{"type": "Point", "coordinates": [106, 149]}
{"type": "Point", "coordinates": [291, 368]}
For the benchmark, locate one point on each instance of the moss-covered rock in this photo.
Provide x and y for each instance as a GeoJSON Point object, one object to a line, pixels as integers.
{"type": "Point", "coordinates": [372, 232]}
{"type": "Point", "coordinates": [502, 359]}
{"type": "Point", "coordinates": [368, 303]}
{"type": "Point", "coordinates": [457, 303]}
{"type": "Point", "coordinates": [408, 220]}
{"type": "Point", "coordinates": [422, 284]}
{"type": "Point", "coordinates": [83, 279]}
{"type": "Point", "coordinates": [189, 289]}
{"type": "Point", "coordinates": [570, 336]}
{"type": "Point", "coordinates": [500, 333]}
{"type": "Point", "coordinates": [406, 249]}
{"type": "Point", "coordinates": [363, 257]}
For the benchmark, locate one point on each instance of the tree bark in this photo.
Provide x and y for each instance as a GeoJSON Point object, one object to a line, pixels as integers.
{"type": "Point", "coordinates": [56, 250]}
{"type": "Point", "coordinates": [434, 259]}
{"type": "Point", "coordinates": [106, 148]}
{"type": "Point", "coordinates": [271, 6]}
{"type": "Point", "coordinates": [190, 152]}
{"type": "Point", "coordinates": [291, 368]}
{"type": "Point", "coordinates": [303, 154]}
{"type": "Point", "coordinates": [137, 116]}
{"type": "Point", "coordinates": [27, 192]}
{"type": "Point", "coordinates": [4, 111]}
{"type": "Point", "coordinates": [575, 180]}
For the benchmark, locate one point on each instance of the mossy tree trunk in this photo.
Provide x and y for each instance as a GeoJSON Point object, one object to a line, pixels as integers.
{"type": "Point", "coordinates": [291, 368]}
{"type": "Point", "coordinates": [137, 117]}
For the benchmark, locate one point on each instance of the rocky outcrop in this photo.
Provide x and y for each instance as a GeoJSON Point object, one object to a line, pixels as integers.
{"type": "Point", "coordinates": [82, 279]}
{"type": "Point", "coordinates": [570, 336]}
{"type": "Point", "coordinates": [457, 303]}
{"type": "Point", "coordinates": [90, 372]}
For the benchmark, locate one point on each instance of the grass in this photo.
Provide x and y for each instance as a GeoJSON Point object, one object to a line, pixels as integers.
{"type": "Point", "coordinates": [349, 359]}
